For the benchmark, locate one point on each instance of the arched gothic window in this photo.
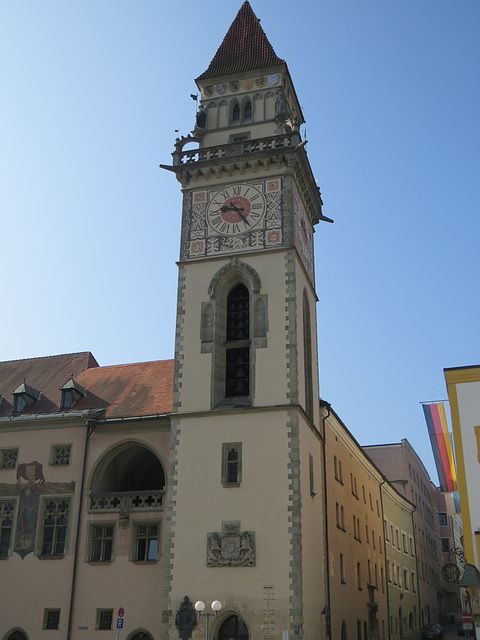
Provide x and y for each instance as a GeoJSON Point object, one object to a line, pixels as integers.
{"type": "Point", "coordinates": [236, 112]}
{"type": "Point", "coordinates": [247, 111]}
{"type": "Point", "coordinates": [234, 324]}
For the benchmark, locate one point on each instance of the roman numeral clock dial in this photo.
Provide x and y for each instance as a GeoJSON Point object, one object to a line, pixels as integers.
{"type": "Point", "coordinates": [236, 209]}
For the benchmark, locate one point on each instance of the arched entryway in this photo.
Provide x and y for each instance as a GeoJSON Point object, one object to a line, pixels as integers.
{"type": "Point", "coordinates": [233, 628]}
{"type": "Point", "coordinates": [16, 634]}
{"type": "Point", "coordinates": [140, 634]}
{"type": "Point", "coordinates": [343, 634]}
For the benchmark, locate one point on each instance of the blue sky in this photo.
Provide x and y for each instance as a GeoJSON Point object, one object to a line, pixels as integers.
{"type": "Point", "coordinates": [92, 93]}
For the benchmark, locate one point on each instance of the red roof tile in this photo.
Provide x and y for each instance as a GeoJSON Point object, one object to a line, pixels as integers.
{"type": "Point", "coordinates": [45, 374]}
{"type": "Point", "coordinates": [124, 391]}
{"type": "Point", "coordinates": [244, 48]}
{"type": "Point", "coordinates": [129, 390]}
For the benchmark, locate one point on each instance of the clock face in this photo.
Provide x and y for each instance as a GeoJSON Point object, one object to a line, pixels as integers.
{"type": "Point", "coordinates": [236, 209]}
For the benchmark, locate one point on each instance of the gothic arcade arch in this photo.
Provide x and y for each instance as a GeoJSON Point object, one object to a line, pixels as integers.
{"type": "Point", "coordinates": [15, 634]}
{"type": "Point", "coordinates": [140, 634]}
{"type": "Point", "coordinates": [131, 465]}
{"type": "Point", "coordinates": [233, 627]}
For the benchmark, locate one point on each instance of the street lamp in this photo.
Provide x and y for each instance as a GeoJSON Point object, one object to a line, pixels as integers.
{"type": "Point", "coordinates": [200, 607]}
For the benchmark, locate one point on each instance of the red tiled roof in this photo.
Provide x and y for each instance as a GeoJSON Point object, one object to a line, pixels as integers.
{"type": "Point", "coordinates": [244, 48]}
{"type": "Point", "coordinates": [129, 390]}
{"type": "Point", "coordinates": [45, 374]}
{"type": "Point", "coordinates": [124, 391]}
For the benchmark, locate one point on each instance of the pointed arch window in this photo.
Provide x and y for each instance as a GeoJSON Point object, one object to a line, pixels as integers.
{"type": "Point", "coordinates": [247, 111]}
{"type": "Point", "coordinates": [237, 370]}
{"type": "Point", "coordinates": [236, 112]}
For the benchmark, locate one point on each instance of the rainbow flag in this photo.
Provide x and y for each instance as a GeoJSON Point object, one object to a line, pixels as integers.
{"type": "Point", "coordinates": [442, 445]}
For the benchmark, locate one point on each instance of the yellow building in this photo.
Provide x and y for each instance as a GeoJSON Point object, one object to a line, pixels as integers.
{"type": "Point", "coordinates": [463, 386]}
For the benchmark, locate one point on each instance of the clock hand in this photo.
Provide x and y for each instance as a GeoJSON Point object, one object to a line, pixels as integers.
{"type": "Point", "coordinates": [237, 210]}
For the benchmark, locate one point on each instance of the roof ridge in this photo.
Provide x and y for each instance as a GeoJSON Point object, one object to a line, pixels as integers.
{"type": "Point", "coordinates": [244, 48]}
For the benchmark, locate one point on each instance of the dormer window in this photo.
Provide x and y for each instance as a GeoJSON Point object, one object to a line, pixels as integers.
{"type": "Point", "coordinates": [23, 397]}
{"type": "Point", "coordinates": [71, 393]}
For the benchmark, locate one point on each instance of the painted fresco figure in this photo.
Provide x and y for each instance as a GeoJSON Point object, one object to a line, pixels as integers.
{"type": "Point", "coordinates": [28, 503]}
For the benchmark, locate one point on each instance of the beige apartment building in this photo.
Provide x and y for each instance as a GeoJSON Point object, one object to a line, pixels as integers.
{"type": "Point", "coordinates": [401, 563]}
{"type": "Point", "coordinates": [356, 546]}
{"type": "Point", "coordinates": [407, 473]}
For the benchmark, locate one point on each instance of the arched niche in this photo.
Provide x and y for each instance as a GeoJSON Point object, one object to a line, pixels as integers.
{"type": "Point", "coordinates": [129, 466]}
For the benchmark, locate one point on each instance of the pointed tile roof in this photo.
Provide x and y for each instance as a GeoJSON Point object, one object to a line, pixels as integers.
{"type": "Point", "coordinates": [244, 48]}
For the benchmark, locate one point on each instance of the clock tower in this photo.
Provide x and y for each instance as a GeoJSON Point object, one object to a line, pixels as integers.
{"type": "Point", "coordinates": [246, 517]}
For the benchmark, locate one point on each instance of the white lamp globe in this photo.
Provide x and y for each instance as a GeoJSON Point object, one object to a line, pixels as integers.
{"type": "Point", "coordinates": [216, 605]}
{"type": "Point", "coordinates": [199, 606]}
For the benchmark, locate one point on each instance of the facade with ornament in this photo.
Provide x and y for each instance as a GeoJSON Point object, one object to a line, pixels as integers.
{"type": "Point", "coordinates": [129, 494]}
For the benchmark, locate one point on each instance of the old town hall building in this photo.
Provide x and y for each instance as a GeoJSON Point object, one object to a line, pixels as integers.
{"type": "Point", "coordinates": [129, 493]}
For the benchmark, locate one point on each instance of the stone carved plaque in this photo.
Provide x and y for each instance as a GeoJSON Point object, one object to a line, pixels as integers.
{"type": "Point", "coordinates": [231, 547]}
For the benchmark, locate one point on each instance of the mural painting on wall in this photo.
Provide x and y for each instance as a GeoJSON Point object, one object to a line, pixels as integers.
{"type": "Point", "coordinates": [30, 487]}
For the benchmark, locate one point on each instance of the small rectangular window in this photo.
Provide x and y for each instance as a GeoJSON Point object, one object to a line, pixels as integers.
{"type": "Point", "coordinates": [445, 545]}
{"type": "Point", "coordinates": [104, 619]}
{"type": "Point", "coordinates": [51, 618]}
{"type": "Point", "coordinates": [60, 454]}
{"type": "Point", "coordinates": [146, 542]}
{"type": "Point", "coordinates": [9, 458]}
{"type": "Point", "coordinates": [101, 542]}
{"type": "Point", "coordinates": [231, 464]}
{"type": "Point", "coordinates": [442, 519]}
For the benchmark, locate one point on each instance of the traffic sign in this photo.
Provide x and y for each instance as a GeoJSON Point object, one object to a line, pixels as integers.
{"type": "Point", "coordinates": [466, 617]}
{"type": "Point", "coordinates": [121, 612]}
{"type": "Point", "coordinates": [119, 623]}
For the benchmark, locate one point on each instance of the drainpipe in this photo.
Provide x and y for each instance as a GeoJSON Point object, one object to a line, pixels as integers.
{"type": "Point", "coordinates": [91, 424]}
{"type": "Point", "coordinates": [384, 479]}
{"type": "Point", "coordinates": [326, 609]}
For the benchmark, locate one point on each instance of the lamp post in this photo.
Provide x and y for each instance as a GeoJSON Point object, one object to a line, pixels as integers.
{"type": "Point", "coordinates": [200, 607]}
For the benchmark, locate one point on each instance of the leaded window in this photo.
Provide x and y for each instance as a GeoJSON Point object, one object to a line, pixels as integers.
{"type": "Point", "coordinates": [232, 464]}
{"type": "Point", "coordinates": [146, 542]}
{"type": "Point", "coordinates": [51, 618]}
{"type": "Point", "coordinates": [104, 619]}
{"type": "Point", "coordinates": [7, 509]}
{"type": "Point", "coordinates": [56, 513]}
{"type": "Point", "coordinates": [101, 549]}
{"type": "Point", "coordinates": [8, 458]}
{"type": "Point", "coordinates": [60, 454]}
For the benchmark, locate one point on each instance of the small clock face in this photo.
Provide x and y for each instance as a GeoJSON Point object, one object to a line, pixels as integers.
{"type": "Point", "coordinates": [236, 209]}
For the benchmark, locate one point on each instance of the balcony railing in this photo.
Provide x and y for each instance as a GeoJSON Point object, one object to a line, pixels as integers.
{"type": "Point", "coordinates": [235, 149]}
{"type": "Point", "coordinates": [118, 501]}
